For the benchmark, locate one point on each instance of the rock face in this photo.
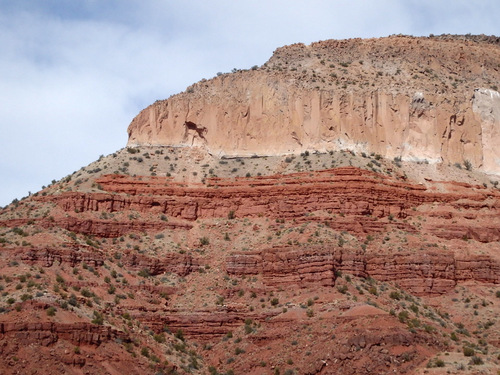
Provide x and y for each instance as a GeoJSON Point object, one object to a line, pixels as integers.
{"type": "Point", "coordinates": [421, 274]}
{"type": "Point", "coordinates": [364, 200]}
{"type": "Point", "coordinates": [419, 99]}
{"type": "Point", "coordinates": [173, 260]}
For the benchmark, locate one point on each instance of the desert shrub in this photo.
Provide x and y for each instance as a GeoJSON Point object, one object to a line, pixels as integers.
{"type": "Point", "coordinates": [179, 334]}
{"type": "Point", "coordinates": [98, 318]}
{"type": "Point", "coordinates": [468, 351]}
{"type": "Point", "coordinates": [403, 316]}
{"type": "Point", "coordinates": [86, 293]}
{"type": "Point", "coordinates": [239, 350]}
{"type": "Point", "coordinates": [145, 352]}
{"type": "Point", "coordinates": [475, 360]}
{"type": "Point", "coordinates": [395, 295]}
{"type": "Point", "coordinates": [51, 311]}
{"type": "Point", "coordinates": [342, 289]}
{"type": "Point", "coordinates": [59, 279]}
{"type": "Point", "coordinates": [144, 273]}
{"type": "Point", "coordinates": [436, 362]}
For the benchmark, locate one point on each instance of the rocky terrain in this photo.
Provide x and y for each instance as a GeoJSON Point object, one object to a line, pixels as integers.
{"type": "Point", "coordinates": [418, 99]}
{"type": "Point", "coordinates": [238, 234]}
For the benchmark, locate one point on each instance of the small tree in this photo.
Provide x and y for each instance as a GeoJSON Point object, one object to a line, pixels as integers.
{"type": "Point", "coordinates": [468, 165]}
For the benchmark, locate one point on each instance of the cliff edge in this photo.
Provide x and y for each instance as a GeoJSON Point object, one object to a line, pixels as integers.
{"type": "Point", "coordinates": [423, 99]}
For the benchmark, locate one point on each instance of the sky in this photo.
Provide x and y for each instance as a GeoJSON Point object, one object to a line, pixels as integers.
{"type": "Point", "coordinates": [74, 73]}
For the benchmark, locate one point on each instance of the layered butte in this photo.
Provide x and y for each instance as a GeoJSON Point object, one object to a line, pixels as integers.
{"type": "Point", "coordinates": [419, 99]}
{"type": "Point", "coordinates": [175, 260]}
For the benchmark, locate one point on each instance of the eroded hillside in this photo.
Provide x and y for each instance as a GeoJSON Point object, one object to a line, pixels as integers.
{"type": "Point", "coordinates": [325, 258]}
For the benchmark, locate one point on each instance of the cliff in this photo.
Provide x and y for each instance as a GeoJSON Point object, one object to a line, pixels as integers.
{"type": "Point", "coordinates": [419, 99]}
{"type": "Point", "coordinates": [160, 259]}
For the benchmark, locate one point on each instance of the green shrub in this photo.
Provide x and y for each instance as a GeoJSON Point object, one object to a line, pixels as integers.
{"type": "Point", "coordinates": [98, 318]}
{"type": "Point", "coordinates": [439, 362]}
{"type": "Point", "coordinates": [468, 351]}
{"type": "Point", "coordinates": [436, 362]}
{"type": "Point", "coordinates": [145, 352]}
{"type": "Point", "coordinates": [86, 293]}
{"type": "Point", "coordinates": [159, 337]}
{"type": "Point", "coordinates": [395, 295]}
{"type": "Point", "coordinates": [475, 360]}
{"type": "Point", "coordinates": [239, 350]}
{"type": "Point", "coordinates": [144, 273]}
{"type": "Point", "coordinates": [51, 311]}
{"type": "Point", "coordinates": [179, 334]}
{"type": "Point", "coordinates": [403, 316]}
{"type": "Point", "coordinates": [342, 288]}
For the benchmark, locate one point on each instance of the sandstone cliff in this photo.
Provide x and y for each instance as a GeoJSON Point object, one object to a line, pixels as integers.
{"type": "Point", "coordinates": [172, 260]}
{"type": "Point", "coordinates": [420, 99]}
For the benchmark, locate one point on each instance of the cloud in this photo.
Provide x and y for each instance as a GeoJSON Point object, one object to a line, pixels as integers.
{"type": "Point", "coordinates": [75, 73]}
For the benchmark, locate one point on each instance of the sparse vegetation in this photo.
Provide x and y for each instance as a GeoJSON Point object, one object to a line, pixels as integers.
{"type": "Point", "coordinates": [304, 249]}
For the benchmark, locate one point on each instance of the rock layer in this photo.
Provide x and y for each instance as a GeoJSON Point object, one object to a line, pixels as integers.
{"type": "Point", "coordinates": [399, 97]}
{"type": "Point", "coordinates": [424, 273]}
{"type": "Point", "coordinates": [345, 190]}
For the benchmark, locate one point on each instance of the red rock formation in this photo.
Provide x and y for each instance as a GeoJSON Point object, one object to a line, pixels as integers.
{"type": "Point", "coordinates": [421, 273]}
{"type": "Point", "coordinates": [271, 266]}
{"type": "Point", "coordinates": [47, 333]}
{"type": "Point", "coordinates": [72, 255]}
{"type": "Point", "coordinates": [345, 190]}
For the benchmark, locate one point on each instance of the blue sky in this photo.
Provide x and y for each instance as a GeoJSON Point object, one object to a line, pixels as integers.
{"type": "Point", "coordinates": [74, 73]}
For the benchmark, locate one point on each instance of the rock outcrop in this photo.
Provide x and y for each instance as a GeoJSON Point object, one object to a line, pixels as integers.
{"type": "Point", "coordinates": [345, 190]}
{"type": "Point", "coordinates": [419, 99]}
{"type": "Point", "coordinates": [420, 273]}
{"type": "Point", "coordinates": [175, 259]}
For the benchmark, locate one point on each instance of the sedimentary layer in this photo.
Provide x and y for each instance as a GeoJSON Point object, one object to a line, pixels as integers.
{"type": "Point", "coordinates": [419, 99]}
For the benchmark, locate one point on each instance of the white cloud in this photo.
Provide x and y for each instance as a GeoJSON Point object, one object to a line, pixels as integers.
{"type": "Point", "coordinates": [74, 74]}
